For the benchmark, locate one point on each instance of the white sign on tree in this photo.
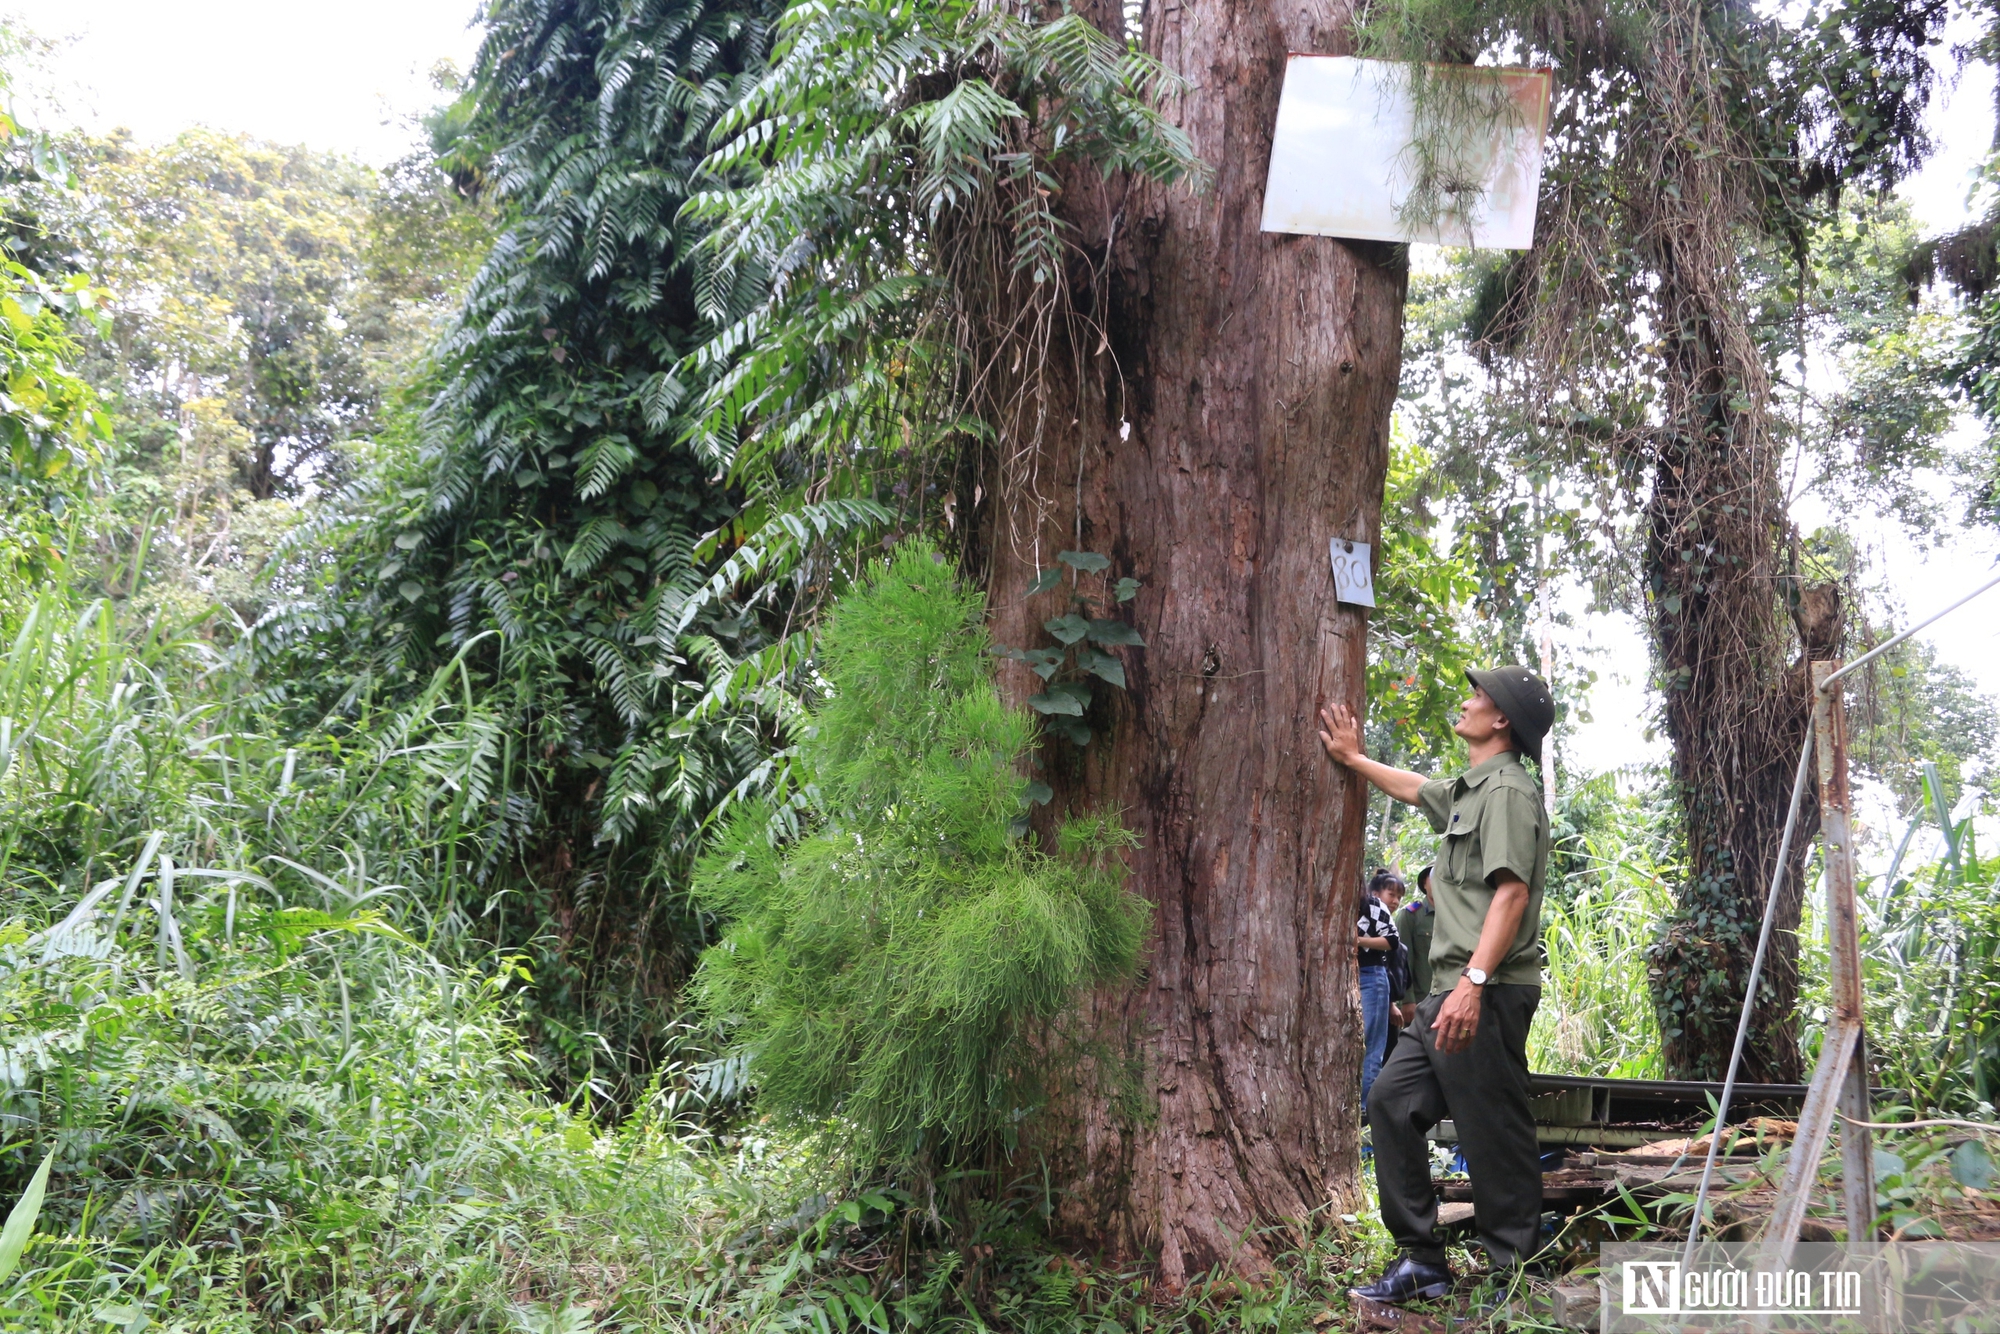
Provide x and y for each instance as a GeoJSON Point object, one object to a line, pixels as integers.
{"type": "Point", "coordinates": [1371, 150]}
{"type": "Point", "coordinates": [1353, 580]}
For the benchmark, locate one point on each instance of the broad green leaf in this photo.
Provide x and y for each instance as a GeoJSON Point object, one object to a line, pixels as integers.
{"type": "Point", "coordinates": [1074, 729]}
{"type": "Point", "coordinates": [1128, 589]}
{"type": "Point", "coordinates": [1054, 701]}
{"type": "Point", "coordinates": [1043, 661]}
{"type": "Point", "coordinates": [1110, 633]}
{"type": "Point", "coordinates": [21, 1221]}
{"type": "Point", "coordinates": [1972, 1166]}
{"type": "Point", "coordinates": [1037, 793]}
{"type": "Point", "coordinates": [1103, 666]}
{"type": "Point", "coordinates": [1044, 581]}
{"type": "Point", "coordinates": [1089, 562]}
{"type": "Point", "coordinates": [1068, 628]}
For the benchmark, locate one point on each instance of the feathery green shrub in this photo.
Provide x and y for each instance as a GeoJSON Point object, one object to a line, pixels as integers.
{"type": "Point", "coordinates": [904, 965]}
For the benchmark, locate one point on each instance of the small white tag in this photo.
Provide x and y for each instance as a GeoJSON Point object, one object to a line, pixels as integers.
{"type": "Point", "coordinates": [1352, 581]}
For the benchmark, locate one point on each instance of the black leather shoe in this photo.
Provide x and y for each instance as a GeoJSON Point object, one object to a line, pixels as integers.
{"type": "Point", "coordinates": [1407, 1280]}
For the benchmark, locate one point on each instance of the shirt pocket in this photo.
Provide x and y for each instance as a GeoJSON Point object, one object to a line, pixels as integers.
{"type": "Point", "coordinates": [1461, 843]}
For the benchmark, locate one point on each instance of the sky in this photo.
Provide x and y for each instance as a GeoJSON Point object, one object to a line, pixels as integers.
{"type": "Point", "coordinates": [345, 77]}
{"type": "Point", "coordinates": [350, 77]}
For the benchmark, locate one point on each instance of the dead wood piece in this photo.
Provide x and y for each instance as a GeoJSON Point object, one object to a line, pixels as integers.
{"type": "Point", "coordinates": [1557, 1188]}
{"type": "Point", "coordinates": [1605, 1160]}
{"type": "Point", "coordinates": [1756, 1128]}
{"type": "Point", "coordinates": [1376, 1315]}
{"type": "Point", "coordinates": [1686, 1177]}
{"type": "Point", "coordinates": [1455, 1215]}
{"type": "Point", "coordinates": [1575, 1306]}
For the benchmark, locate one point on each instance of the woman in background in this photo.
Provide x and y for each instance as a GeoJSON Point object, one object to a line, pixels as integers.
{"type": "Point", "coordinates": [1376, 932]}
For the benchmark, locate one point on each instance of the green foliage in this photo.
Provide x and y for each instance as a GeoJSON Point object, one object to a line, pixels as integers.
{"type": "Point", "coordinates": [906, 964]}
{"type": "Point", "coordinates": [1611, 885]}
{"type": "Point", "coordinates": [1418, 647]}
{"type": "Point", "coordinates": [21, 1219]}
{"type": "Point", "coordinates": [540, 516]}
{"type": "Point", "coordinates": [266, 300]}
{"type": "Point", "coordinates": [1912, 711]}
{"type": "Point", "coordinates": [51, 426]}
{"type": "Point", "coordinates": [238, 268]}
{"type": "Point", "coordinates": [206, 1010]}
{"type": "Point", "coordinates": [1930, 944]}
{"type": "Point", "coordinates": [53, 429]}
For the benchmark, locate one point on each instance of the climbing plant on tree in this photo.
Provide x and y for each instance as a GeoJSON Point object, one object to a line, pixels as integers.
{"type": "Point", "coordinates": [985, 251]}
{"type": "Point", "coordinates": [1687, 136]}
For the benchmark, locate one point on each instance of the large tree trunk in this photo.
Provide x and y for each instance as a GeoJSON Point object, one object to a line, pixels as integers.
{"type": "Point", "coordinates": [1257, 374]}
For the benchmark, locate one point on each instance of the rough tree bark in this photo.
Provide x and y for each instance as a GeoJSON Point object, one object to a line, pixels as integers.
{"type": "Point", "coordinates": [1223, 417]}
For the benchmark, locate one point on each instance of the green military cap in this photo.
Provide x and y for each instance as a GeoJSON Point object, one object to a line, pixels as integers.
{"type": "Point", "coordinates": [1524, 697]}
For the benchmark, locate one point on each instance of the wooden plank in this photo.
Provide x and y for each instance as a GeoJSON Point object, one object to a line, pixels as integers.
{"type": "Point", "coordinates": [1857, 1156]}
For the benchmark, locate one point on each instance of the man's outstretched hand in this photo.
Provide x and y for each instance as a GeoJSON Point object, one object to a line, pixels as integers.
{"type": "Point", "coordinates": [1340, 733]}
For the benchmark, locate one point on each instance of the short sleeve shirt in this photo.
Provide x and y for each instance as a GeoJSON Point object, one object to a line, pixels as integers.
{"type": "Point", "coordinates": [1413, 927]}
{"type": "Point", "coordinates": [1374, 921]}
{"type": "Point", "coordinates": [1492, 820]}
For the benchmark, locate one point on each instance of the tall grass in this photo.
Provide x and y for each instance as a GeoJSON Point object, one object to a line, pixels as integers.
{"type": "Point", "coordinates": [1617, 871]}
{"type": "Point", "coordinates": [244, 1019]}
{"type": "Point", "coordinates": [212, 1012]}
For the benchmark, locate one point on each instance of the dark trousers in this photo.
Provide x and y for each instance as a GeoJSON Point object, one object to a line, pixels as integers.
{"type": "Point", "coordinates": [1484, 1090]}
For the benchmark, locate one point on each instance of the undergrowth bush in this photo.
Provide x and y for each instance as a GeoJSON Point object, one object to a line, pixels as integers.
{"type": "Point", "coordinates": [904, 963]}
{"type": "Point", "coordinates": [1930, 959]}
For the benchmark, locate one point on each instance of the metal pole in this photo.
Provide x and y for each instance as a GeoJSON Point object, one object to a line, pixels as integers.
{"type": "Point", "coordinates": [1888, 644]}
{"type": "Point", "coordinates": [1548, 647]}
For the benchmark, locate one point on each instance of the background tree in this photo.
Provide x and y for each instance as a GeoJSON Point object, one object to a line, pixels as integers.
{"type": "Point", "coordinates": [269, 302]}
{"type": "Point", "coordinates": [238, 264]}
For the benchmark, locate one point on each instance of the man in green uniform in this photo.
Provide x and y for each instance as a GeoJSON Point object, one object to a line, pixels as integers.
{"type": "Point", "coordinates": [1413, 926]}
{"type": "Point", "coordinates": [1469, 1057]}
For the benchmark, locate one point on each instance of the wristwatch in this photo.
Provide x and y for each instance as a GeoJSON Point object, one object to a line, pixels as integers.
{"type": "Point", "coordinates": [1476, 976]}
